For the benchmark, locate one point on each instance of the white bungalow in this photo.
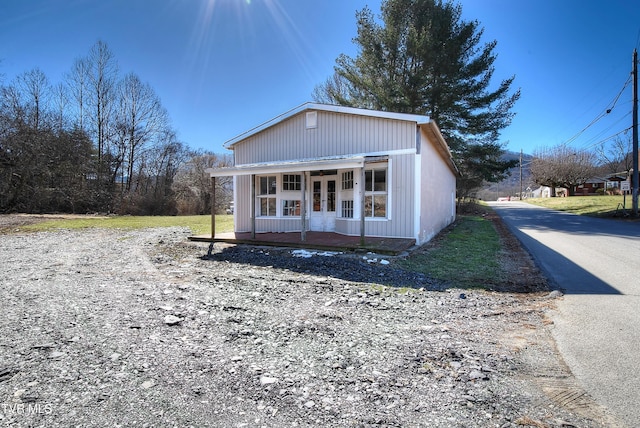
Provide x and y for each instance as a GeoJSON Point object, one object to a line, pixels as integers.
{"type": "Point", "coordinates": [344, 170]}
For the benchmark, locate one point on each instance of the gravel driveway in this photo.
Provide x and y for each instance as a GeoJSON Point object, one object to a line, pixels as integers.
{"type": "Point", "coordinates": [111, 328]}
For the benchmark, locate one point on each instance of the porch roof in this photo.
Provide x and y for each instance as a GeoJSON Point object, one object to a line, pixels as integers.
{"type": "Point", "coordinates": [290, 166]}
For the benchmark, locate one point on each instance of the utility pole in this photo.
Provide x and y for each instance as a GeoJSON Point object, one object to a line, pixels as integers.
{"type": "Point", "coordinates": [521, 198]}
{"type": "Point", "coordinates": [634, 178]}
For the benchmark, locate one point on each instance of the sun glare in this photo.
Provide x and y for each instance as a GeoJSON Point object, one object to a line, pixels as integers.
{"type": "Point", "coordinates": [241, 27]}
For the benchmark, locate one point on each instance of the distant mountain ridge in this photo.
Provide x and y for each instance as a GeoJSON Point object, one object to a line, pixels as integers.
{"type": "Point", "coordinates": [511, 185]}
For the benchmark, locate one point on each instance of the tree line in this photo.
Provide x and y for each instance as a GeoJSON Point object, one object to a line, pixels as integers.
{"type": "Point", "coordinates": [98, 141]}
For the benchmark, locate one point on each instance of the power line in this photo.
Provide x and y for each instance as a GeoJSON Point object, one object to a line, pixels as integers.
{"type": "Point", "coordinates": [605, 112]}
{"type": "Point", "coordinates": [589, 143]}
{"type": "Point", "coordinates": [604, 140]}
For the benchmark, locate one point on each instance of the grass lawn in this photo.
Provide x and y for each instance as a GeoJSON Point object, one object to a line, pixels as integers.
{"type": "Point", "coordinates": [199, 224]}
{"type": "Point", "coordinates": [596, 206]}
{"type": "Point", "coordinates": [466, 256]}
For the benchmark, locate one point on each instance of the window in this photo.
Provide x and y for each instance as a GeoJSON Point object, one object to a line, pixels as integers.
{"type": "Point", "coordinates": [267, 206]}
{"type": "Point", "coordinates": [347, 209]}
{"type": "Point", "coordinates": [291, 182]}
{"type": "Point", "coordinates": [268, 185]}
{"type": "Point", "coordinates": [312, 119]}
{"type": "Point", "coordinates": [375, 193]}
{"type": "Point", "coordinates": [267, 202]}
{"type": "Point", "coordinates": [290, 208]}
{"type": "Point", "coordinates": [347, 180]}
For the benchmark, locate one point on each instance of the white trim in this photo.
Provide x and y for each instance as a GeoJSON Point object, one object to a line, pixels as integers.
{"type": "Point", "coordinates": [330, 162]}
{"type": "Point", "coordinates": [289, 166]}
{"type": "Point", "coordinates": [411, 151]}
{"type": "Point", "coordinates": [389, 187]}
{"type": "Point", "coordinates": [417, 197]}
{"type": "Point", "coordinates": [387, 169]}
{"type": "Point", "coordinates": [235, 201]}
{"type": "Point", "coordinates": [418, 119]}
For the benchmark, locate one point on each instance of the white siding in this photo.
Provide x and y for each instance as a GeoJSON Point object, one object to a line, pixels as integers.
{"type": "Point", "coordinates": [437, 198]}
{"type": "Point", "coordinates": [337, 134]}
{"type": "Point", "coordinates": [242, 203]}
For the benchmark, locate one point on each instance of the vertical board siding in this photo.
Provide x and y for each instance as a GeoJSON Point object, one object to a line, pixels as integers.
{"type": "Point", "coordinates": [337, 134]}
{"type": "Point", "coordinates": [402, 203]}
{"type": "Point", "coordinates": [278, 225]}
{"type": "Point", "coordinates": [437, 209]}
{"type": "Point", "coordinates": [242, 207]}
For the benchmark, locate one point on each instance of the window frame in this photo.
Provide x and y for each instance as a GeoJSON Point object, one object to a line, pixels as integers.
{"type": "Point", "coordinates": [371, 195]}
{"type": "Point", "coordinates": [347, 180]}
{"type": "Point", "coordinates": [289, 185]}
{"type": "Point", "coordinates": [268, 199]}
{"type": "Point", "coordinates": [347, 208]}
{"type": "Point", "coordinates": [296, 208]}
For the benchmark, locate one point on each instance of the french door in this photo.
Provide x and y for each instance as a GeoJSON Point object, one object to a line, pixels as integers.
{"type": "Point", "coordinates": [322, 217]}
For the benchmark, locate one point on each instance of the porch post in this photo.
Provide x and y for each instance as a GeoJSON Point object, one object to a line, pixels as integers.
{"type": "Point", "coordinates": [303, 206]}
{"type": "Point", "coordinates": [213, 208]}
{"type": "Point", "coordinates": [362, 199]}
{"type": "Point", "coordinates": [253, 206]}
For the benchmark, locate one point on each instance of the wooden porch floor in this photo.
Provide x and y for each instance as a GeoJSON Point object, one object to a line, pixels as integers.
{"type": "Point", "coordinates": [328, 241]}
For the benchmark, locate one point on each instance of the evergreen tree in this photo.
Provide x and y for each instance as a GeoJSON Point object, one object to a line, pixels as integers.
{"type": "Point", "coordinates": [425, 59]}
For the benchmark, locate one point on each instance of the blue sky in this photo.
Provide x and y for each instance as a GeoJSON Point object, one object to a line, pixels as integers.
{"type": "Point", "coordinates": [222, 67]}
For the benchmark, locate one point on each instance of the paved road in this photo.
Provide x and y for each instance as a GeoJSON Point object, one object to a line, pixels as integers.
{"type": "Point", "coordinates": [596, 263]}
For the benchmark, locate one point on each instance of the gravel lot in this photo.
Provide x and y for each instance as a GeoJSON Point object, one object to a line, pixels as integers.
{"type": "Point", "coordinates": [140, 328]}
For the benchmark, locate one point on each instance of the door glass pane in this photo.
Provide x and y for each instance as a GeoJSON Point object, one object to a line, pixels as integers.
{"type": "Point", "coordinates": [331, 195]}
{"type": "Point", "coordinates": [317, 196]}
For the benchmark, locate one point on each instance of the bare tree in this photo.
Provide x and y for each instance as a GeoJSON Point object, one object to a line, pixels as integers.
{"type": "Point", "coordinates": [140, 119]}
{"type": "Point", "coordinates": [562, 166]}
{"type": "Point", "coordinates": [192, 185]}
{"type": "Point", "coordinates": [78, 80]}
{"type": "Point", "coordinates": [60, 104]}
{"type": "Point", "coordinates": [36, 91]}
{"type": "Point", "coordinates": [12, 108]}
{"type": "Point", "coordinates": [102, 76]}
{"type": "Point", "coordinates": [616, 156]}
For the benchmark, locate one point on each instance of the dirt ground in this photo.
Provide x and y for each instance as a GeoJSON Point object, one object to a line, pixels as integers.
{"type": "Point", "coordinates": [142, 328]}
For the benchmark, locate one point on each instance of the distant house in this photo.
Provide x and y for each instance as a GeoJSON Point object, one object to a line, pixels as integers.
{"type": "Point", "coordinates": [601, 185]}
{"type": "Point", "coordinates": [345, 170]}
{"type": "Point", "coordinates": [591, 186]}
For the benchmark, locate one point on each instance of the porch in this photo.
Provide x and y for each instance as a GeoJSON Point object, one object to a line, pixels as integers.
{"type": "Point", "coordinates": [328, 241]}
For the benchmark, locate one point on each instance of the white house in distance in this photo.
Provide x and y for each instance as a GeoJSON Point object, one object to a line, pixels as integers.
{"type": "Point", "coordinates": [348, 171]}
